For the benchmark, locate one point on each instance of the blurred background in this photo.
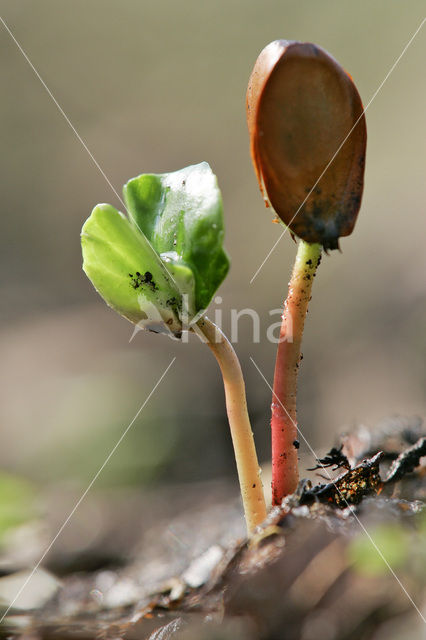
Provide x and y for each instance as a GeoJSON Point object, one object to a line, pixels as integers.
{"type": "Point", "coordinates": [153, 87]}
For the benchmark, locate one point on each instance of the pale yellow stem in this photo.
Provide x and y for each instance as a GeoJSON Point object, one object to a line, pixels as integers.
{"type": "Point", "coordinates": [239, 422]}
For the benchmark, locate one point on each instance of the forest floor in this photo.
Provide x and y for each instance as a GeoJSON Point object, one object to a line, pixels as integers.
{"type": "Point", "coordinates": [340, 560]}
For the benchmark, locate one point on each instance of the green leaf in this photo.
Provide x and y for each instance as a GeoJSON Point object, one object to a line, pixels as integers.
{"type": "Point", "coordinates": [161, 266]}
{"type": "Point", "coordinates": [181, 214]}
{"type": "Point", "coordinates": [127, 272]}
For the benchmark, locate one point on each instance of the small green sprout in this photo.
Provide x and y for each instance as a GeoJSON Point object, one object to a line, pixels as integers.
{"type": "Point", "coordinates": [159, 268]}
{"type": "Point", "coordinates": [308, 138]}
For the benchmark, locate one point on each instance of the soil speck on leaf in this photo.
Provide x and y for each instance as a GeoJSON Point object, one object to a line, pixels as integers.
{"type": "Point", "coordinates": [146, 279]}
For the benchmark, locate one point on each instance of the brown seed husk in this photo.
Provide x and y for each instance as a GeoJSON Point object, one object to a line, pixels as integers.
{"type": "Point", "coordinates": [301, 106]}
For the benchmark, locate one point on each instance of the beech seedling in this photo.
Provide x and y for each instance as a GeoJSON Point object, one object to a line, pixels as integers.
{"type": "Point", "coordinates": [308, 138]}
{"type": "Point", "coordinates": [159, 267]}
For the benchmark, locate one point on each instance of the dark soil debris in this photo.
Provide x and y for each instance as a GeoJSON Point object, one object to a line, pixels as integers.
{"type": "Point", "coordinates": [407, 461]}
{"type": "Point", "coordinates": [333, 457]}
{"type": "Point", "coordinates": [350, 487]}
{"type": "Point", "coordinates": [138, 280]}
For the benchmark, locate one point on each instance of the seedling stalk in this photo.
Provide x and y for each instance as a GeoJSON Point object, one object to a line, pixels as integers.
{"type": "Point", "coordinates": [239, 422]}
{"type": "Point", "coordinates": [285, 474]}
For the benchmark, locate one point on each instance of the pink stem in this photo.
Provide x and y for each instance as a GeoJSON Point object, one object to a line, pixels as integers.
{"type": "Point", "coordinates": [285, 444]}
